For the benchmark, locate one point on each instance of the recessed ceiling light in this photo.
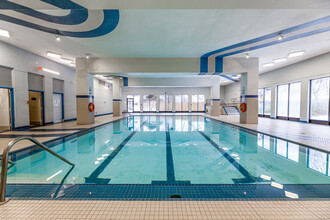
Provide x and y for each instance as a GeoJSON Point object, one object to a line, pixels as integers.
{"type": "Point", "coordinates": [50, 71]}
{"type": "Point", "coordinates": [279, 60]}
{"type": "Point", "coordinates": [72, 64]}
{"type": "Point", "coordinates": [55, 55]}
{"type": "Point", "coordinates": [268, 64]}
{"type": "Point", "coordinates": [296, 54]}
{"type": "Point", "coordinates": [247, 56]}
{"type": "Point", "coordinates": [57, 38]}
{"type": "Point", "coordinates": [87, 56]}
{"type": "Point", "coordinates": [4, 33]}
{"type": "Point", "coordinates": [64, 60]}
{"type": "Point", "coordinates": [280, 36]}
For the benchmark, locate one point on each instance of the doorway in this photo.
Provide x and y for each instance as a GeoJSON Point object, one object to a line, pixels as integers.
{"type": "Point", "coordinates": [5, 109]}
{"type": "Point", "coordinates": [36, 111]}
{"type": "Point", "coordinates": [130, 103]}
{"type": "Point", "coordinates": [149, 103]}
{"type": "Point", "coordinates": [58, 107]}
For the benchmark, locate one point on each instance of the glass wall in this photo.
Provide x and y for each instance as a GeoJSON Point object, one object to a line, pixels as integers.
{"type": "Point", "coordinates": [165, 103]}
{"type": "Point", "coordinates": [264, 102]}
{"type": "Point", "coordinates": [136, 103]}
{"type": "Point", "coordinates": [198, 102]}
{"type": "Point", "coordinates": [319, 100]}
{"type": "Point", "coordinates": [288, 101]}
{"type": "Point", "coordinates": [149, 103]}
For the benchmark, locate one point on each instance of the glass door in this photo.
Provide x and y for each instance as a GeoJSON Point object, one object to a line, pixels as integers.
{"type": "Point", "coordinates": [194, 103]}
{"type": "Point", "coordinates": [264, 102]}
{"type": "Point", "coordinates": [149, 103]}
{"type": "Point", "coordinates": [136, 103]}
{"type": "Point", "coordinates": [165, 103]}
{"type": "Point", "coordinates": [130, 103]}
{"type": "Point", "coordinates": [288, 101]}
{"type": "Point", "coordinates": [319, 100]}
{"type": "Point", "coordinates": [184, 103]}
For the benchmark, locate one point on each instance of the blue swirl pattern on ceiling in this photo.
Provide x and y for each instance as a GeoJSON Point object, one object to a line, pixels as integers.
{"type": "Point", "coordinates": [77, 15]}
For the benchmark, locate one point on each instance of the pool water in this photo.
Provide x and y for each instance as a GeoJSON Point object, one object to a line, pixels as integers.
{"type": "Point", "coordinates": [171, 150]}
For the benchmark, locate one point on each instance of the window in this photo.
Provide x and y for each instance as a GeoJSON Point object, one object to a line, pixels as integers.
{"type": "Point", "coordinates": [165, 103]}
{"type": "Point", "coordinates": [136, 103]}
{"type": "Point", "coordinates": [283, 100]}
{"type": "Point", "coordinates": [197, 103]}
{"type": "Point", "coordinates": [181, 103]}
{"type": "Point", "coordinates": [319, 100]}
{"type": "Point", "coordinates": [288, 101]}
{"type": "Point", "coordinates": [264, 102]}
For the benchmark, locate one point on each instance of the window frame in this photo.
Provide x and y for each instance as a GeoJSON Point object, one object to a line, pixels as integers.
{"type": "Point", "coordinates": [310, 104]}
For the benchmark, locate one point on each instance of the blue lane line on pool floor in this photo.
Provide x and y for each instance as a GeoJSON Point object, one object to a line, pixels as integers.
{"type": "Point", "coordinates": [248, 178]}
{"type": "Point", "coordinates": [170, 173]}
{"type": "Point", "coordinates": [93, 178]}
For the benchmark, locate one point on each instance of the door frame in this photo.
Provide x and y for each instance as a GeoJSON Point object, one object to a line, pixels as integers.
{"type": "Point", "coordinates": [11, 107]}
{"type": "Point", "coordinates": [43, 104]}
{"type": "Point", "coordinates": [127, 103]}
{"type": "Point", "coordinates": [62, 100]}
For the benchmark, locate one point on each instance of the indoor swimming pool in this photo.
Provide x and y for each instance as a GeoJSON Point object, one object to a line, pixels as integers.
{"type": "Point", "coordinates": [159, 157]}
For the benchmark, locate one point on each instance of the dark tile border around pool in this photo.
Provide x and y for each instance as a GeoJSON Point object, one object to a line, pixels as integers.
{"type": "Point", "coordinates": [255, 132]}
{"type": "Point", "coordinates": [163, 192]}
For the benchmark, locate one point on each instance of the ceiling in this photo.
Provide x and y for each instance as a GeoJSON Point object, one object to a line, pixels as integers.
{"type": "Point", "coordinates": [157, 29]}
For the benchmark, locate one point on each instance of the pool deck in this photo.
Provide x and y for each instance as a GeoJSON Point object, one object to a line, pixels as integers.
{"type": "Point", "coordinates": [314, 135]}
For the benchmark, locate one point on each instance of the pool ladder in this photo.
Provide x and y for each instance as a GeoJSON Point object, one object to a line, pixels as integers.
{"type": "Point", "coordinates": [5, 162]}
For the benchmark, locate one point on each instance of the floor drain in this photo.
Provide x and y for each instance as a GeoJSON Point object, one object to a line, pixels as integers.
{"type": "Point", "coordinates": [175, 197]}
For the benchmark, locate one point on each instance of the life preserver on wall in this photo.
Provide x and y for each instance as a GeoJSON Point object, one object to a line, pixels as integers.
{"type": "Point", "coordinates": [242, 107]}
{"type": "Point", "coordinates": [91, 107]}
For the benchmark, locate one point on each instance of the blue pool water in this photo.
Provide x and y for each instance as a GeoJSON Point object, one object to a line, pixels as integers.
{"type": "Point", "coordinates": [176, 151]}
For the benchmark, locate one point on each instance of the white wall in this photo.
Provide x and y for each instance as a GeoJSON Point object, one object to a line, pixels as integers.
{"type": "Point", "coordinates": [4, 108]}
{"type": "Point", "coordinates": [232, 92]}
{"type": "Point", "coordinates": [303, 72]}
{"type": "Point", "coordinates": [206, 91]}
{"type": "Point", "coordinates": [102, 98]}
{"type": "Point", "coordinates": [22, 62]}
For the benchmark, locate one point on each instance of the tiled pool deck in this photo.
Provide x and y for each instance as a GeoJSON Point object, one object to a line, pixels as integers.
{"type": "Point", "coordinates": [313, 135]}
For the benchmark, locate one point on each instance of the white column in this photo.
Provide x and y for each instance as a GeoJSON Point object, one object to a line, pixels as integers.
{"type": "Point", "coordinates": [21, 98]}
{"type": "Point", "coordinates": [85, 91]}
{"type": "Point", "coordinates": [304, 100]}
{"type": "Point", "coordinates": [249, 69]}
{"type": "Point", "coordinates": [49, 111]}
{"type": "Point", "coordinates": [273, 102]}
{"type": "Point", "coordinates": [215, 96]}
{"type": "Point", "coordinates": [117, 111]}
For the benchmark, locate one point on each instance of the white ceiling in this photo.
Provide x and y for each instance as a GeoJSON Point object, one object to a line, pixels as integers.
{"type": "Point", "coordinates": [179, 33]}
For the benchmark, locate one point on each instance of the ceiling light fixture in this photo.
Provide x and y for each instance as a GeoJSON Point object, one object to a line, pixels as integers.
{"type": "Point", "coordinates": [296, 54]}
{"type": "Point", "coordinates": [87, 56]}
{"type": "Point", "coordinates": [57, 38]}
{"type": "Point", "coordinates": [72, 64]}
{"type": "Point", "coordinates": [280, 60]}
{"type": "Point", "coordinates": [280, 36]}
{"type": "Point", "coordinates": [55, 55]}
{"type": "Point", "coordinates": [50, 71]}
{"type": "Point", "coordinates": [247, 56]}
{"type": "Point", "coordinates": [4, 33]}
{"type": "Point", "coordinates": [267, 64]}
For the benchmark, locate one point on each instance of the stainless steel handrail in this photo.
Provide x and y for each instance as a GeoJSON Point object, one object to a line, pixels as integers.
{"type": "Point", "coordinates": [5, 155]}
{"type": "Point", "coordinates": [10, 162]}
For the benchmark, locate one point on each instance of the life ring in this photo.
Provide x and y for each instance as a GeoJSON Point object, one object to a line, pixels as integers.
{"type": "Point", "coordinates": [91, 107]}
{"type": "Point", "coordinates": [242, 107]}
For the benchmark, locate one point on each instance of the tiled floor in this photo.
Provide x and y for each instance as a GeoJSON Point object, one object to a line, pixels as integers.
{"type": "Point", "coordinates": [165, 210]}
{"type": "Point", "coordinates": [314, 135]}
